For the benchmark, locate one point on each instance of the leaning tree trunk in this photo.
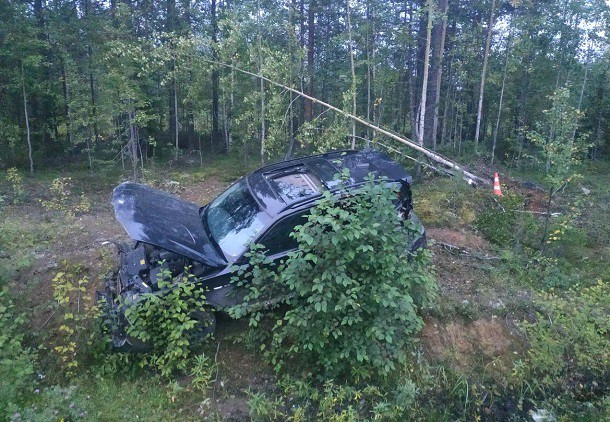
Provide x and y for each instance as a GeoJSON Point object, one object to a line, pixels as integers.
{"type": "Point", "coordinates": [470, 177]}
{"type": "Point", "coordinates": [484, 72]}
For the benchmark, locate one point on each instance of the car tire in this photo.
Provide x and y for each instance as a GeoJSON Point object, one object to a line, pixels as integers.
{"type": "Point", "coordinates": [205, 326]}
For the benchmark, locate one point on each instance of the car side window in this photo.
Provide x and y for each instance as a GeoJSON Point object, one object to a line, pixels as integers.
{"type": "Point", "coordinates": [278, 238]}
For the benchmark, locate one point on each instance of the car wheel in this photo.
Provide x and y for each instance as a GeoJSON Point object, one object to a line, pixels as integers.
{"type": "Point", "coordinates": [205, 326]}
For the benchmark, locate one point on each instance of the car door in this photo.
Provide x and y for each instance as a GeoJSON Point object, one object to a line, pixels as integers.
{"type": "Point", "coordinates": [277, 239]}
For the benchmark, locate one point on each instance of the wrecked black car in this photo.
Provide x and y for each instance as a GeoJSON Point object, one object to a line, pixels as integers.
{"type": "Point", "coordinates": [172, 235]}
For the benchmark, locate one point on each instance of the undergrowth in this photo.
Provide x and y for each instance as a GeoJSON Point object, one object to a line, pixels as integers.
{"type": "Point", "coordinates": [17, 361]}
{"type": "Point", "coordinates": [564, 370]}
{"type": "Point", "coordinates": [167, 321]}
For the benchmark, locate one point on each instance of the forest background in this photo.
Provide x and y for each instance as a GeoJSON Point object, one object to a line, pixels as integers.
{"type": "Point", "coordinates": [136, 79]}
{"type": "Point", "coordinates": [93, 93]}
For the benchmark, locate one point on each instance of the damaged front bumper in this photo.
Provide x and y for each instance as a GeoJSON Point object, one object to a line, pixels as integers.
{"type": "Point", "coordinates": [115, 320]}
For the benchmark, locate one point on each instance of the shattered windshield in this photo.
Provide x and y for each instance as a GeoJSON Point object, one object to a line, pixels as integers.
{"type": "Point", "coordinates": [234, 219]}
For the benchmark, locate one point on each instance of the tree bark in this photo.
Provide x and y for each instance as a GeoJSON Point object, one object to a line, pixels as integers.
{"type": "Point", "coordinates": [67, 111]}
{"type": "Point", "coordinates": [484, 71]}
{"type": "Point", "coordinates": [446, 113]}
{"type": "Point", "coordinates": [353, 69]}
{"type": "Point", "coordinates": [176, 129]}
{"type": "Point", "coordinates": [133, 145]}
{"type": "Point", "coordinates": [424, 90]}
{"type": "Point", "coordinates": [27, 121]}
{"type": "Point", "coordinates": [302, 68]}
{"type": "Point", "coordinates": [216, 137]}
{"type": "Point", "coordinates": [370, 55]}
{"type": "Point", "coordinates": [582, 93]}
{"type": "Point", "coordinates": [310, 58]}
{"type": "Point", "coordinates": [92, 95]}
{"type": "Point", "coordinates": [263, 122]}
{"type": "Point", "coordinates": [263, 133]}
{"type": "Point", "coordinates": [601, 115]}
{"type": "Point", "coordinates": [495, 139]}
{"type": "Point", "coordinates": [438, 74]}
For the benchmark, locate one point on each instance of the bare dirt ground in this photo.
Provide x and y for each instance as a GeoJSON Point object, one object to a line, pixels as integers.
{"type": "Point", "coordinates": [458, 238]}
{"type": "Point", "coordinates": [464, 280]}
{"type": "Point", "coordinates": [84, 239]}
{"type": "Point", "coordinates": [466, 345]}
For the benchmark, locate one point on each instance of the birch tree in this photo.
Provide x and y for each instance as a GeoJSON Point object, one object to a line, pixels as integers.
{"type": "Point", "coordinates": [424, 89]}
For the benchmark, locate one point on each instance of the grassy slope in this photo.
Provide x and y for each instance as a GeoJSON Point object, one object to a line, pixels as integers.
{"type": "Point", "coordinates": [473, 327]}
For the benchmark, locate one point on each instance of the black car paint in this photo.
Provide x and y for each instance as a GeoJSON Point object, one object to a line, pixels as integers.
{"type": "Point", "coordinates": [154, 217]}
{"type": "Point", "coordinates": [172, 233]}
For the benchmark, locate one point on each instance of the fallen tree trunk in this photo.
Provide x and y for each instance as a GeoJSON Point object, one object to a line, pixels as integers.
{"type": "Point", "coordinates": [459, 250]}
{"type": "Point", "coordinates": [467, 176]}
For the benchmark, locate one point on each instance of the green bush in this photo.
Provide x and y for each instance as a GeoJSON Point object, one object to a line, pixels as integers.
{"type": "Point", "coordinates": [299, 400]}
{"type": "Point", "coordinates": [569, 355]}
{"type": "Point", "coordinates": [18, 238]}
{"type": "Point", "coordinates": [16, 180]}
{"type": "Point", "coordinates": [75, 313]}
{"type": "Point", "coordinates": [61, 200]}
{"type": "Point", "coordinates": [16, 361]}
{"type": "Point", "coordinates": [504, 225]}
{"type": "Point", "coordinates": [53, 403]}
{"type": "Point", "coordinates": [167, 321]}
{"type": "Point", "coordinates": [353, 287]}
{"type": "Point", "coordinates": [446, 203]}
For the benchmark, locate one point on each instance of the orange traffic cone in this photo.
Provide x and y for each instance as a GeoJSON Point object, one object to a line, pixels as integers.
{"type": "Point", "coordinates": [497, 190]}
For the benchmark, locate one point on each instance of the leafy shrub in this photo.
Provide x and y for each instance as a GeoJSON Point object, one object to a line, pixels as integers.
{"type": "Point", "coordinates": [17, 239]}
{"type": "Point", "coordinates": [299, 400]}
{"type": "Point", "coordinates": [202, 372]}
{"type": "Point", "coordinates": [167, 321]}
{"type": "Point", "coordinates": [504, 225]}
{"type": "Point", "coordinates": [54, 403]}
{"type": "Point", "coordinates": [446, 203]}
{"type": "Point", "coordinates": [61, 188]}
{"type": "Point", "coordinates": [76, 312]}
{"type": "Point", "coordinates": [353, 288]}
{"type": "Point", "coordinates": [569, 351]}
{"type": "Point", "coordinates": [16, 361]}
{"type": "Point", "coordinates": [16, 181]}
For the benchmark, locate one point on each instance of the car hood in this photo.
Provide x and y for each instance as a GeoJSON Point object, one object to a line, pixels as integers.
{"type": "Point", "coordinates": [151, 216]}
